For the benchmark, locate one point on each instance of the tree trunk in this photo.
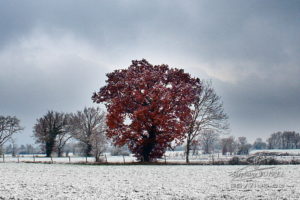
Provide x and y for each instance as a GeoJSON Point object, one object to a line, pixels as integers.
{"type": "Point", "coordinates": [59, 152]}
{"type": "Point", "coordinates": [88, 150]}
{"type": "Point", "coordinates": [206, 148]}
{"type": "Point", "coordinates": [97, 158]}
{"type": "Point", "coordinates": [188, 144]}
{"type": "Point", "coordinates": [149, 145]}
{"type": "Point", "coordinates": [14, 151]}
{"type": "Point", "coordinates": [224, 150]}
{"type": "Point", "coordinates": [49, 148]}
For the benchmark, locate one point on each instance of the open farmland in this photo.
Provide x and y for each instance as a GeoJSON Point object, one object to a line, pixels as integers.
{"type": "Point", "coordinates": [62, 181]}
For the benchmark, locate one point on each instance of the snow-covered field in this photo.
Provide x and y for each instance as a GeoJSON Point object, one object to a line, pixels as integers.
{"type": "Point", "coordinates": [65, 181]}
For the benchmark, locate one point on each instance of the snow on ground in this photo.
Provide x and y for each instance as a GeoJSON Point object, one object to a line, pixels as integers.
{"type": "Point", "coordinates": [67, 181]}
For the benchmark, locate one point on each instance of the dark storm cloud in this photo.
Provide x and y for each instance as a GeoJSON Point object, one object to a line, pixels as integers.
{"type": "Point", "coordinates": [54, 54]}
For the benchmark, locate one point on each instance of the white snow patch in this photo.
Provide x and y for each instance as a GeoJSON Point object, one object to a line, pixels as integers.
{"type": "Point", "coordinates": [47, 181]}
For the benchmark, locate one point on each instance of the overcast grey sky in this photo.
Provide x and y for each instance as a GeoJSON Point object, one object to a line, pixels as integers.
{"type": "Point", "coordinates": [54, 54]}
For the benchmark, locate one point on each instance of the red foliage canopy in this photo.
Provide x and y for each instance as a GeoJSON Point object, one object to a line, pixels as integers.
{"type": "Point", "coordinates": [148, 107]}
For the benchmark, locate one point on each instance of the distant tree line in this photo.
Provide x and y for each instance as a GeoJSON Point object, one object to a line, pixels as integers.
{"type": "Point", "coordinates": [284, 140]}
{"type": "Point", "coordinates": [212, 143]}
{"type": "Point", "coordinates": [239, 146]}
{"type": "Point", "coordinates": [15, 149]}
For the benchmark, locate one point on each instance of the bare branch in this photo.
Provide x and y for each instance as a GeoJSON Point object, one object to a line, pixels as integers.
{"type": "Point", "coordinates": [208, 116]}
{"type": "Point", "coordinates": [88, 126]}
{"type": "Point", "coordinates": [8, 126]}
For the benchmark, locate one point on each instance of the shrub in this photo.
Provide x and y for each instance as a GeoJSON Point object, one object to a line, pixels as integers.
{"type": "Point", "coordinates": [263, 160]}
{"type": "Point", "coordinates": [234, 161]}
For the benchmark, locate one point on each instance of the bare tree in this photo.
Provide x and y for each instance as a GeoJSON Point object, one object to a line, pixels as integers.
{"type": "Point", "coordinates": [88, 126]}
{"type": "Point", "coordinates": [8, 126]}
{"type": "Point", "coordinates": [207, 139]}
{"type": "Point", "coordinates": [98, 141]}
{"type": "Point", "coordinates": [61, 140]}
{"type": "Point", "coordinates": [243, 146]}
{"type": "Point", "coordinates": [259, 144]}
{"type": "Point", "coordinates": [228, 145]}
{"type": "Point", "coordinates": [284, 140]}
{"type": "Point", "coordinates": [14, 147]}
{"type": "Point", "coordinates": [30, 149]}
{"type": "Point", "coordinates": [48, 128]}
{"type": "Point", "coordinates": [195, 147]}
{"type": "Point", "coordinates": [207, 115]}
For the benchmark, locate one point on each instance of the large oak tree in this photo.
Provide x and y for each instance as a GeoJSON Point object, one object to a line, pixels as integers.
{"type": "Point", "coordinates": [148, 107]}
